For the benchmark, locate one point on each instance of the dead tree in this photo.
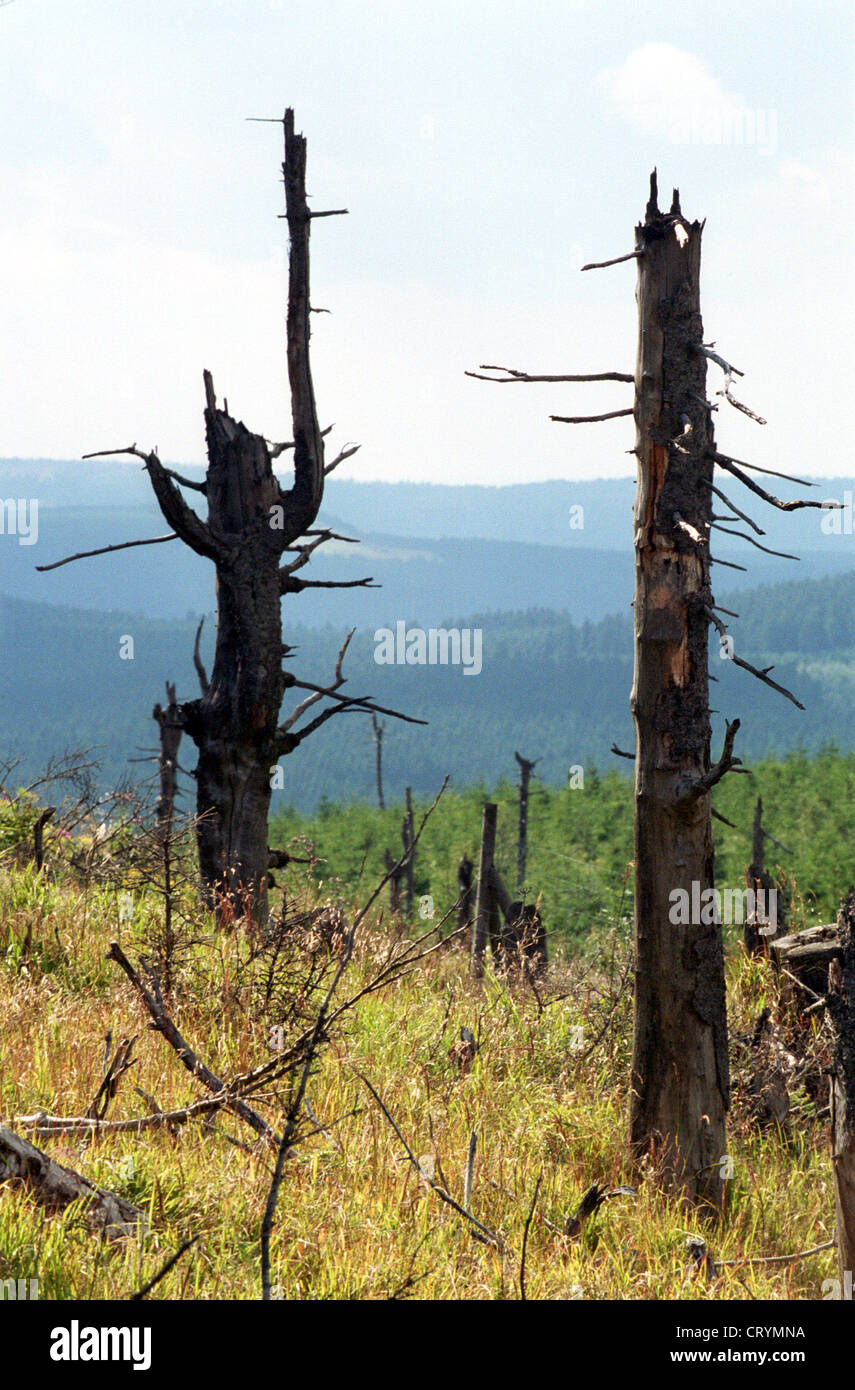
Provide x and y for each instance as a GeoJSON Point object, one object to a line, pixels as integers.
{"type": "Point", "coordinates": [170, 724]}
{"type": "Point", "coordinates": [378, 732]}
{"type": "Point", "coordinates": [680, 1080]}
{"type": "Point", "coordinates": [465, 895]}
{"type": "Point", "coordinates": [514, 930]}
{"type": "Point", "coordinates": [526, 769]}
{"type": "Point", "coordinates": [258, 535]}
{"type": "Point", "coordinates": [761, 922]}
{"type": "Point", "coordinates": [840, 1002]}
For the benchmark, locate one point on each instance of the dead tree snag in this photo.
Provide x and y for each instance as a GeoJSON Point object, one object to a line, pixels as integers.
{"type": "Point", "coordinates": [680, 1079]}
{"type": "Point", "coordinates": [680, 1070]}
{"type": "Point", "coordinates": [252, 522]}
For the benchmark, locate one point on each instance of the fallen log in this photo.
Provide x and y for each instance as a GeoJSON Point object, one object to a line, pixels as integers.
{"type": "Point", "coordinates": [54, 1186]}
{"type": "Point", "coordinates": [806, 955]}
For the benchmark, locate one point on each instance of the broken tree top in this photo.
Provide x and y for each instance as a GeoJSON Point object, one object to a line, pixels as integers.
{"type": "Point", "coordinates": [653, 218]}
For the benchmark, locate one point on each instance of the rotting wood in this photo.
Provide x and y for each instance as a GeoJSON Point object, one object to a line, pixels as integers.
{"type": "Point", "coordinates": [56, 1187]}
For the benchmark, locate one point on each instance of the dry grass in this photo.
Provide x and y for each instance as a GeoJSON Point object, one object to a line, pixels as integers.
{"type": "Point", "coordinates": [355, 1218]}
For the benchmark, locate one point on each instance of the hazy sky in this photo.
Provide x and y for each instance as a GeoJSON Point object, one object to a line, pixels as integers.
{"type": "Point", "coordinates": [485, 151]}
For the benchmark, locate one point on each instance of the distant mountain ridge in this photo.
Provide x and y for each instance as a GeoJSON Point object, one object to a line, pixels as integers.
{"type": "Point", "coordinates": [434, 550]}
{"type": "Point", "coordinates": [555, 689]}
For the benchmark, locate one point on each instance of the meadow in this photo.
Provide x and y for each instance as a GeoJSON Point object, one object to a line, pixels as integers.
{"type": "Point", "coordinates": [545, 1094]}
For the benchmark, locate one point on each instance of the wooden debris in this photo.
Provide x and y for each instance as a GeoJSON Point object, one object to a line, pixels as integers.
{"type": "Point", "coordinates": [54, 1186]}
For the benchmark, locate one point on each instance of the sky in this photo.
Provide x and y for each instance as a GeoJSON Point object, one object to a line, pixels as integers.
{"type": "Point", "coordinates": [485, 151]}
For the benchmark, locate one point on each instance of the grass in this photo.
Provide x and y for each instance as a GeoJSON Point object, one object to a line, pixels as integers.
{"type": "Point", "coordinates": [355, 1218]}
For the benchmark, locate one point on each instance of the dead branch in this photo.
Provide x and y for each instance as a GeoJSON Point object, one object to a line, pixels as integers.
{"type": "Point", "coordinates": [528, 1222]}
{"type": "Point", "coordinates": [513, 376]}
{"type": "Point", "coordinates": [731, 467]}
{"type": "Point", "coordinates": [620, 753]}
{"type": "Point", "coordinates": [782, 554]}
{"type": "Point", "coordinates": [589, 419]}
{"type": "Point", "coordinates": [106, 550]}
{"type": "Point", "coordinates": [747, 519]}
{"type": "Point", "coordinates": [84, 1126]}
{"type": "Point", "coordinates": [188, 482]}
{"type": "Point", "coordinates": [289, 584]}
{"type": "Point", "coordinates": [777, 1259]}
{"type": "Point", "coordinates": [347, 452]}
{"type": "Point", "coordinates": [770, 472]}
{"type": "Point", "coordinates": [728, 564]}
{"type": "Point", "coordinates": [746, 665]}
{"type": "Point", "coordinates": [725, 764]}
{"type": "Point", "coordinates": [277, 449]}
{"type": "Point", "coordinates": [292, 1117]}
{"type": "Point", "coordinates": [114, 1071]}
{"type": "Point", "coordinates": [319, 692]}
{"type": "Point", "coordinates": [616, 260]}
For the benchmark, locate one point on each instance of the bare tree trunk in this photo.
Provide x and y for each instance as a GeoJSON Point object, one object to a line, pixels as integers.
{"type": "Point", "coordinates": [680, 1079]}
{"type": "Point", "coordinates": [408, 834]}
{"type": "Point", "coordinates": [379, 730]}
{"type": "Point", "coordinates": [526, 768]}
{"type": "Point", "coordinates": [484, 899]}
{"type": "Point", "coordinates": [841, 1007]}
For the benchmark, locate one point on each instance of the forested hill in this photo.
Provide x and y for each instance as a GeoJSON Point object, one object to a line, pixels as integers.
{"type": "Point", "coordinates": [549, 687]}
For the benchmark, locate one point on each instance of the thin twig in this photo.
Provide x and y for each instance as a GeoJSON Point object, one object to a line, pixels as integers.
{"type": "Point", "coordinates": [486, 1233]}
{"type": "Point", "coordinates": [529, 1219]}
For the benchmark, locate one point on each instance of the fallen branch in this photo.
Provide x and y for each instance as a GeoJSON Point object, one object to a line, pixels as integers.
{"type": "Point", "coordinates": [777, 1259]}
{"type": "Point", "coordinates": [164, 1025]}
{"type": "Point", "coordinates": [485, 1233]}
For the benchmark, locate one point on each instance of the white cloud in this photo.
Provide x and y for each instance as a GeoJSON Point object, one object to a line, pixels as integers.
{"type": "Point", "coordinates": [666, 91]}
